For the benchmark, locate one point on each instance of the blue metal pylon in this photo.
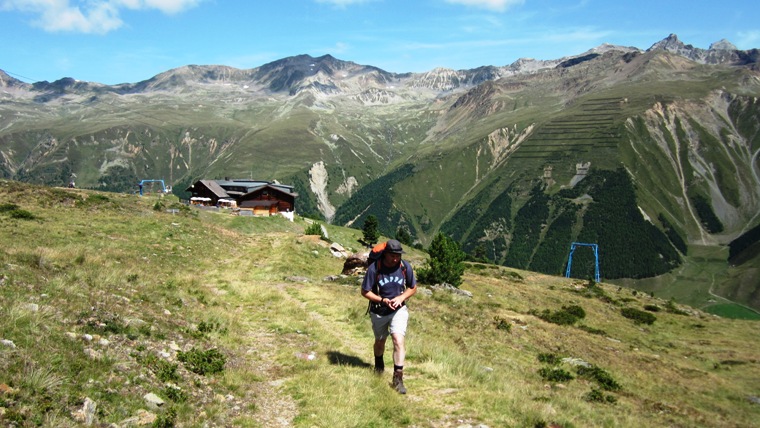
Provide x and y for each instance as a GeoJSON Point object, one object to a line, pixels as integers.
{"type": "Point", "coordinates": [596, 258]}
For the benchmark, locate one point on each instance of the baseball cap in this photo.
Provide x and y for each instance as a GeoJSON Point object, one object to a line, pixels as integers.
{"type": "Point", "coordinates": [393, 246]}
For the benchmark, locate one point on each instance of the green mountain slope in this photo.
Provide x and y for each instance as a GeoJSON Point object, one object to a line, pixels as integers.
{"type": "Point", "coordinates": [486, 155]}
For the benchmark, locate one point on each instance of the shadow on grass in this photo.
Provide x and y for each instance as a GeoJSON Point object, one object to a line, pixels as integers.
{"type": "Point", "coordinates": [338, 358]}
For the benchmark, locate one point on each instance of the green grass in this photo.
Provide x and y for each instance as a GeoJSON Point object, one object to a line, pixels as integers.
{"type": "Point", "coordinates": [734, 311]}
{"type": "Point", "coordinates": [696, 283]}
{"type": "Point", "coordinates": [104, 300]}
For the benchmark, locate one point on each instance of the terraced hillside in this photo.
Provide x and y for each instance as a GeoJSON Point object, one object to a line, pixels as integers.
{"type": "Point", "coordinates": [514, 162]}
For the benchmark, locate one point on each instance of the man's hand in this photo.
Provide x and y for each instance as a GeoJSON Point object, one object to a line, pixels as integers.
{"type": "Point", "coordinates": [395, 302]}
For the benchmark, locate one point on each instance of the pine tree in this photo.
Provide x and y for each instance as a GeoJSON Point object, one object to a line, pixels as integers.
{"type": "Point", "coordinates": [403, 236]}
{"type": "Point", "coordinates": [369, 230]}
{"type": "Point", "coordinates": [445, 263]}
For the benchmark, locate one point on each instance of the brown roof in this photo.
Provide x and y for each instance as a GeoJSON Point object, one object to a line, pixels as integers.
{"type": "Point", "coordinates": [215, 188]}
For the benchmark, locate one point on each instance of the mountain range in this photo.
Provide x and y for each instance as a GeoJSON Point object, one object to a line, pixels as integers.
{"type": "Point", "coordinates": [651, 154]}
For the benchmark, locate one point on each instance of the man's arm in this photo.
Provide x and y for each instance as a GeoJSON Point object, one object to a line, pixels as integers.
{"type": "Point", "coordinates": [372, 297]}
{"type": "Point", "coordinates": [398, 300]}
{"type": "Point", "coordinates": [366, 290]}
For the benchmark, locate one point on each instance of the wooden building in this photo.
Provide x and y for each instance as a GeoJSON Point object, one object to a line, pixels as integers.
{"type": "Point", "coordinates": [260, 197]}
{"type": "Point", "coordinates": [268, 200]}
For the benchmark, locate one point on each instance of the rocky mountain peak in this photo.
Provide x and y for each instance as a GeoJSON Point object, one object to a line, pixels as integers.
{"type": "Point", "coordinates": [721, 52]}
{"type": "Point", "coordinates": [722, 44]}
{"type": "Point", "coordinates": [671, 44]}
{"type": "Point", "coordinates": [7, 81]}
{"type": "Point", "coordinates": [607, 47]}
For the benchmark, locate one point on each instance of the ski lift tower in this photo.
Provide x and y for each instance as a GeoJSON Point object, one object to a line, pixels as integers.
{"type": "Point", "coordinates": [143, 182]}
{"type": "Point", "coordinates": [596, 258]}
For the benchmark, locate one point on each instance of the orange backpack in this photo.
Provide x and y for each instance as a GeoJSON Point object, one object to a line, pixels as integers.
{"type": "Point", "coordinates": [376, 253]}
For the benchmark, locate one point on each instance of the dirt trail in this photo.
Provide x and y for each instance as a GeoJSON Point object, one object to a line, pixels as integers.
{"type": "Point", "coordinates": [274, 407]}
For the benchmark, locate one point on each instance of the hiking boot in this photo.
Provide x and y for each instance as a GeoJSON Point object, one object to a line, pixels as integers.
{"type": "Point", "coordinates": [379, 365]}
{"type": "Point", "coordinates": [398, 382]}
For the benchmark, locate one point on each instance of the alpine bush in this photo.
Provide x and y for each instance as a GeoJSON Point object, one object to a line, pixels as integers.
{"type": "Point", "coordinates": [314, 229]}
{"type": "Point", "coordinates": [601, 377]}
{"type": "Point", "coordinates": [502, 324]}
{"type": "Point", "coordinates": [4, 208]}
{"type": "Point", "coordinates": [20, 214]}
{"type": "Point", "coordinates": [164, 370]}
{"type": "Point", "coordinates": [555, 374]}
{"type": "Point", "coordinates": [638, 316]}
{"type": "Point", "coordinates": [568, 315]}
{"type": "Point", "coordinates": [203, 362]}
{"type": "Point", "coordinates": [597, 396]}
{"type": "Point", "coordinates": [575, 311]}
{"type": "Point", "coordinates": [549, 358]}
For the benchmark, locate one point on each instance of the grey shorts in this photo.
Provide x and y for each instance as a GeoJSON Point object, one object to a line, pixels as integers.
{"type": "Point", "coordinates": [393, 323]}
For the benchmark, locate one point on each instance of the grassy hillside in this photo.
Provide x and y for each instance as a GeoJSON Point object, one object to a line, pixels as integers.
{"type": "Point", "coordinates": [105, 298]}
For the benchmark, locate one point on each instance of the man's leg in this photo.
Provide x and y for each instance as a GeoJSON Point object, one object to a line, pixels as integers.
{"type": "Point", "coordinates": [399, 354]}
{"type": "Point", "coordinates": [379, 349]}
{"type": "Point", "coordinates": [398, 330]}
{"type": "Point", "coordinates": [399, 349]}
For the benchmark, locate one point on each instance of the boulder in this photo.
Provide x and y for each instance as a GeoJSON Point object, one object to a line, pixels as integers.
{"type": "Point", "coordinates": [355, 264]}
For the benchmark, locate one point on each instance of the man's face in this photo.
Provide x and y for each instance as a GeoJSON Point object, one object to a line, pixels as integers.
{"type": "Point", "coordinates": [391, 259]}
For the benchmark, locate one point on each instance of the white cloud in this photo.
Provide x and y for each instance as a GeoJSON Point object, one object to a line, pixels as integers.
{"type": "Point", "coordinates": [88, 16]}
{"type": "Point", "coordinates": [165, 6]}
{"type": "Point", "coordinates": [343, 3]}
{"type": "Point", "coordinates": [496, 5]}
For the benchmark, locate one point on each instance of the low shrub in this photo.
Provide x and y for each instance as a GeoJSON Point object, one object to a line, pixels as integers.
{"type": "Point", "coordinates": [555, 374]}
{"type": "Point", "coordinates": [175, 394]}
{"type": "Point", "coordinates": [20, 214]}
{"type": "Point", "coordinates": [4, 208]}
{"type": "Point", "coordinates": [652, 308]}
{"type": "Point", "coordinates": [204, 328]}
{"type": "Point", "coordinates": [638, 316]}
{"type": "Point", "coordinates": [549, 358]}
{"type": "Point", "coordinates": [600, 376]}
{"type": "Point", "coordinates": [164, 370]}
{"type": "Point", "coordinates": [597, 396]}
{"type": "Point", "coordinates": [568, 315]}
{"type": "Point", "coordinates": [314, 229]}
{"type": "Point", "coordinates": [166, 419]}
{"type": "Point", "coordinates": [203, 362]}
{"type": "Point", "coordinates": [502, 324]}
{"type": "Point", "coordinates": [575, 310]}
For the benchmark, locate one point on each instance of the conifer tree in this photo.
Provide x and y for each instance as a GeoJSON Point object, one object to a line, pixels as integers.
{"type": "Point", "coordinates": [369, 230]}
{"type": "Point", "coordinates": [445, 263]}
{"type": "Point", "coordinates": [403, 236]}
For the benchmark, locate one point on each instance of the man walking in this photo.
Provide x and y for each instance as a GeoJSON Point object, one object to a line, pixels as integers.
{"type": "Point", "coordinates": [389, 282]}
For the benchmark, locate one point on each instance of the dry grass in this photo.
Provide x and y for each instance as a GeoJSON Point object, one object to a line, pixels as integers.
{"type": "Point", "coordinates": [150, 282]}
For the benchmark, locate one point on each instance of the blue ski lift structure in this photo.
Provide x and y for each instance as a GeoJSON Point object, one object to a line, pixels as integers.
{"type": "Point", "coordinates": [596, 258]}
{"type": "Point", "coordinates": [142, 183]}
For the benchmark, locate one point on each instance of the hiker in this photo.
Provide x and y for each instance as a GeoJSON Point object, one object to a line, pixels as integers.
{"type": "Point", "coordinates": [389, 282]}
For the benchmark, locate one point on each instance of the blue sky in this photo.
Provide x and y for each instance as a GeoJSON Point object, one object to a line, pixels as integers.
{"type": "Point", "coordinates": [118, 41]}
